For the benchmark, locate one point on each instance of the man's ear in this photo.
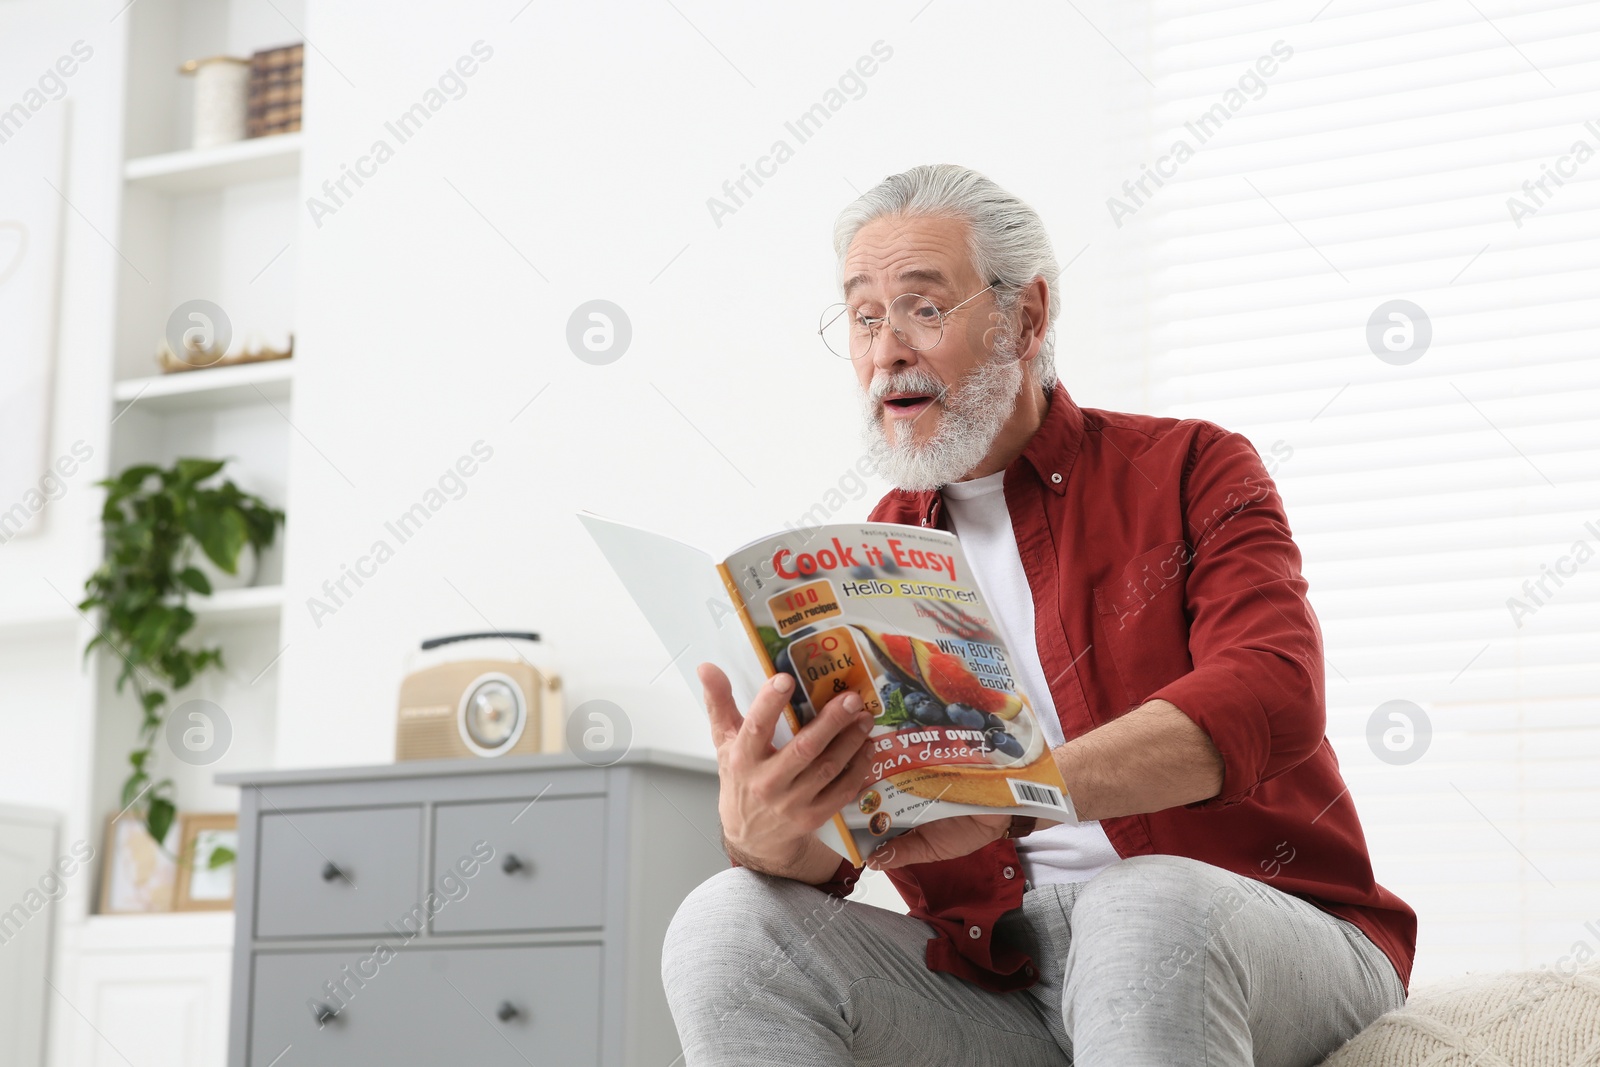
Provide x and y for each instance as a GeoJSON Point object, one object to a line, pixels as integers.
{"type": "Point", "coordinates": [1033, 319]}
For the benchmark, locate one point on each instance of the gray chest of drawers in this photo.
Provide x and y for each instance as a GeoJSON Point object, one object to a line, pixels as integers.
{"type": "Point", "coordinates": [503, 912]}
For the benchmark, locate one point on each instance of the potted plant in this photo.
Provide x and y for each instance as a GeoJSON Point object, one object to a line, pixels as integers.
{"type": "Point", "coordinates": [153, 520]}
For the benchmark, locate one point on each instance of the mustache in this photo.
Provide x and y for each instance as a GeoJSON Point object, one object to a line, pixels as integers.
{"type": "Point", "coordinates": [907, 381]}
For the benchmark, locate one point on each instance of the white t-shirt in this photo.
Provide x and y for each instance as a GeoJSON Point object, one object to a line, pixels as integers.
{"type": "Point", "coordinates": [1068, 852]}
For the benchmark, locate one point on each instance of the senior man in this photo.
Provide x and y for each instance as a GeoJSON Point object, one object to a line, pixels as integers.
{"type": "Point", "coordinates": [1214, 904]}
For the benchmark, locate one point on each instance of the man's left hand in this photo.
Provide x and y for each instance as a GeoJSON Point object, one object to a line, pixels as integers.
{"type": "Point", "coordinates": [944, 839]}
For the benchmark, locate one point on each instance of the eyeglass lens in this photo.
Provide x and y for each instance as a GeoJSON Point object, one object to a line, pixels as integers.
{"type": "Point", "coordinates": [915, 320]}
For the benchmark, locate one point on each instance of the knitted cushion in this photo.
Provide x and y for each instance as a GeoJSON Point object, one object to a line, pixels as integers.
{"type": "Point", "coordinates": [1510, 1019]}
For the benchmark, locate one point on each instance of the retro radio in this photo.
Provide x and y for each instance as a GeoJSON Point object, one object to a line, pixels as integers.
{"type": "Point", "coordinates": [479, 694]}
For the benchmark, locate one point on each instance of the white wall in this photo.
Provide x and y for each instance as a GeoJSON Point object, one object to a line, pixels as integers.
{"type": "Point", "coordinates": [577, 165]}
{"type": "Point", "coordinates": [45, 700]}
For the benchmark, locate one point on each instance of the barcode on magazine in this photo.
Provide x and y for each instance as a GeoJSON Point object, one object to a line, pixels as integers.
{"type": "Point", "coordinates": [1026, 792]}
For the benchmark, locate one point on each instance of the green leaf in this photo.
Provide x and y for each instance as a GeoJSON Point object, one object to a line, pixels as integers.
{"type": "Point", "coordinates": [894, 711]}
{"type": "Point", "coordinates": [221, 856]}
{"type": "Point", "coordinates": [158, 819]}
{"type": "Point", "coordinates": [263, 523]}
{"type": "Point", "coordinates": [153, 699]}
{"type": "Point", "coordinates": [149, 633]}
{"type": "Point", "coordinates": [195, 580]}
{"type": "Point", "coordinates": [132, 478]}
{"type": "Point", "coordinates": [221, 533]}
{"type": "Point", "coordinates": [131, 788]}
{"type": "Point", "coordinates": [190, 470]}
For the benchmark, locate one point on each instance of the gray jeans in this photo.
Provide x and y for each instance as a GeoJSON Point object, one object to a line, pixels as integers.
{"type": "Point", "coordinates": [1157, 960]}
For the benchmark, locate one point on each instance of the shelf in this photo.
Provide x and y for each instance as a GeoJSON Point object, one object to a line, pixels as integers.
{"type": "Point", "coordinates": [213, 387]}
{"type": "Point", "coordinates": [46, 619]}
{"type": "Point", "coordinates": [253, 603]}
{"type": "Point", "coordinates": [199, 169]}
{"type": "Point", "coordinates": [157, 931]}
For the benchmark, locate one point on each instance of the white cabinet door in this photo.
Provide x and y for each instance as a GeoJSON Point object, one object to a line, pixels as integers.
{"type": "Point", "coordinates": [145, 989]}
{"type": "Point", "coordinates": [29, 888]}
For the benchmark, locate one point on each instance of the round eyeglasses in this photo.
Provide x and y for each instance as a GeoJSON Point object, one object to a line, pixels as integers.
{"type": "Point", "coordinates": [917, 322]}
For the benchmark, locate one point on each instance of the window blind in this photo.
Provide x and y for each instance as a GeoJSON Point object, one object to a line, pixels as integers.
{"type": "Point", "coordinates": [1446, 495]}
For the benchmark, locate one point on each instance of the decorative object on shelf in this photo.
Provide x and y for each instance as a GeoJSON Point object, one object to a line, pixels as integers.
{"type": "Point", "coordinates": [477, 700]}
{"type": "Point", "coordinates": [200, 354]}
{"type": "Point", "coordinates": [221, 106]}
{"type": "Point", "coordinates": [208, 846]}
{"type": "Point", "coordinates": [153, 519]}
{"type": "Point", "coordinates": [274, 97]}
{"type": "Point", "coordinates": [139, 874]}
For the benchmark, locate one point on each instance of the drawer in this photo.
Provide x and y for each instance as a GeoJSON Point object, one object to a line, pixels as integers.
{"type": "Point", "coordinates": [415, 1005]}
{"type": "Point", "coordinates": [547, 871]}
{"type": "Point", "coordinates": [334, 873]}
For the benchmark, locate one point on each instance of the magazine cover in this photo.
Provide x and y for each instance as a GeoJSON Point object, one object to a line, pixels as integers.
{"type": "Point", "coordinates": [893, 613]}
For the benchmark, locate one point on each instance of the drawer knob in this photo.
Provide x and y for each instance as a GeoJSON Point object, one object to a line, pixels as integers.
{"type": "Point", "coordinates": [511, 865]}
{"type": "Point", "coordinates": [325, 1015]}
{"type": "Point", "coordinates": [507, 1011]}
{"type": "Point", "coordinates": [330, 871]}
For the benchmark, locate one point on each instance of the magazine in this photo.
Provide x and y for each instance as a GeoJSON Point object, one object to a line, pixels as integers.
{"type": "Point", "coordinates": [889, 611]}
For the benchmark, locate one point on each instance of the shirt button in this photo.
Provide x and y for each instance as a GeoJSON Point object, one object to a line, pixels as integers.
{"type": "Point", "coordinates": [974, 932]}
{"type": "Point", "coordinates": [1056, 478]}
{"type": "Point", "coordinates": [1009, 872]}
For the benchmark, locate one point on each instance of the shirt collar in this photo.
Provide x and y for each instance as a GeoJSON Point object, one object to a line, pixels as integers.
{"type": "Point", "coordinates": [1050, 454]}
{"type": "Point", "coordinates": [1054, 447]}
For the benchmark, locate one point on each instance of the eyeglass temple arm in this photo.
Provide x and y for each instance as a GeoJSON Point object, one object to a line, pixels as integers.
{"type": "Point", "coordinates": [875, 322]}
{"type": "Point", "coordinates": [971, 298]}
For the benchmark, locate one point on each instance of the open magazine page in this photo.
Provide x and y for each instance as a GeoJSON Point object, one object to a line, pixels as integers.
{"type": "Point", "coordinates": [677, 590]}
{"type": "Point", "coordinates": [680, 593]}
{"type": "Point", "coordinates": [893, 613]}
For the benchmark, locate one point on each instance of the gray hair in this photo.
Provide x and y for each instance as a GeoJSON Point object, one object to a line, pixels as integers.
{"type": "Point", "coordinates": [1006, 239]}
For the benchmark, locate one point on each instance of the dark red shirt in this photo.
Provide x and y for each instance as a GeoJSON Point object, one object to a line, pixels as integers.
{"type": "Point", "coordinates": [1162, 567]}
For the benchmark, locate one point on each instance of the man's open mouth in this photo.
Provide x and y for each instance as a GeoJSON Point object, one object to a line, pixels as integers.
{"type": "Point", "coordinates": [907, 405]}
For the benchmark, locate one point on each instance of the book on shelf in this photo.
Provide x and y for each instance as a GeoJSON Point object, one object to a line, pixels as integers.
{"type": "Point", "coordinates": [274, 91]}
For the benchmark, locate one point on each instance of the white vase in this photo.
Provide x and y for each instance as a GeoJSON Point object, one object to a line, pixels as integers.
{"type": "Point", "coordinates": [221, 99]}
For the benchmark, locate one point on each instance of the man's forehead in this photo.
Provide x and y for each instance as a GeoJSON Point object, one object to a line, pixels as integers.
{"type": "Point", "coordinates": [925, 276]}
{"type": "Point", "coordinates": [929, 252]}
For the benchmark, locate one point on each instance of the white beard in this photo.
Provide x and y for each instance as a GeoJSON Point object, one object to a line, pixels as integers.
{"type": "Point", "coordinates": [975, 409]}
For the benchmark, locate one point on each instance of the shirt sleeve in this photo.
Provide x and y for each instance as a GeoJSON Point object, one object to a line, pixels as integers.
{"type": "Point", "coordinates": [842, 884]}
{"type": "Point", "coordinates": [1257, 684]}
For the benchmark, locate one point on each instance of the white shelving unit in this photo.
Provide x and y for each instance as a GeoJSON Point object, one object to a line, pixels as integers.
{"type": "Point", "coordinates": [205, 390]}
{"type": "Point", "coordinates": [197, 170]}
{"type": "Point", "coordinates": [215, 224]}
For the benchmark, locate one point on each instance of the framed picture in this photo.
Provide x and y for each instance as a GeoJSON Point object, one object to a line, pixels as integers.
{"type": "Point", "coordinates": [139, 875]}
{"type": "Point", "coordinates": [207, 859]}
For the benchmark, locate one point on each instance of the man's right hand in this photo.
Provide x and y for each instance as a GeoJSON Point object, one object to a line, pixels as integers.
{"type": "Point", "coordinates": [773, 800]}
